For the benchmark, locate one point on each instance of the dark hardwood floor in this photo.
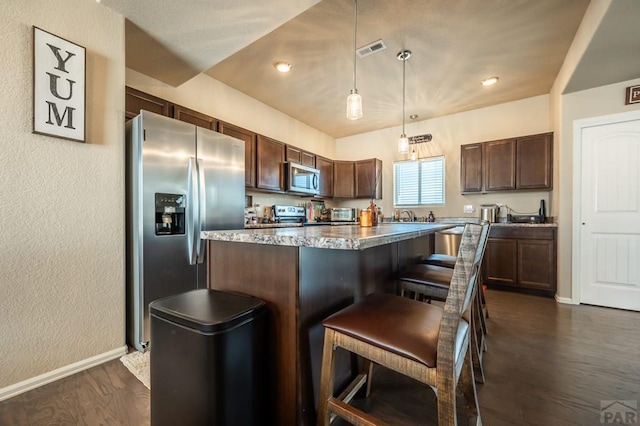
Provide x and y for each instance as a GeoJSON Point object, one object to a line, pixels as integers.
{"type": "Point", "coordinates": [547, 364]}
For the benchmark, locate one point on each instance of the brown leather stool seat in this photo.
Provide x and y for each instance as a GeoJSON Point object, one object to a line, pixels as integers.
{"type": "Point", "coordinates": [439, 259]}
{"type": "Point", "coordinates": [402, 326]}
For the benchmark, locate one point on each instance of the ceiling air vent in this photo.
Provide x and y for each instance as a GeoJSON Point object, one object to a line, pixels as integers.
{"type": "Point", "coordinates": [371, 48]}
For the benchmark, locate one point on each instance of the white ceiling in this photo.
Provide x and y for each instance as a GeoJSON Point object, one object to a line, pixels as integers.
{"type": "Point", "coordinates": [455, 44]}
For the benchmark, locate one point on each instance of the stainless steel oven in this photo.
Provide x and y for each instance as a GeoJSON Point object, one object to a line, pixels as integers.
{"type": "Point", "coordinates": [302, 179]}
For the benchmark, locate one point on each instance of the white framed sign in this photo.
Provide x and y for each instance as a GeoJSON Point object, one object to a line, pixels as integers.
{"type": "Point", "coordinates": [59, 71]}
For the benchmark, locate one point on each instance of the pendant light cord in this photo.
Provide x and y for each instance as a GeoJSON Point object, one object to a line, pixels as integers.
{"type": "Point", "coordinates": [355, 27]}
{"type": "Point", "coordinates": [404, 67]}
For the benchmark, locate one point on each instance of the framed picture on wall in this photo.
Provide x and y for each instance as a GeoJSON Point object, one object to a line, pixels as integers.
{"type": "Point", "coordinates": [59, 97]}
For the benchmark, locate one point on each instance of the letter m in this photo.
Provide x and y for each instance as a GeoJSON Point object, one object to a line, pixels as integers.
{"type": "Point", "coordinates": [68, 113]}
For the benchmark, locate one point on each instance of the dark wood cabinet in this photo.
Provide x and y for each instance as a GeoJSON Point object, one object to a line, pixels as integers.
{"type": "Point", "coordinates": [297, 155]}
{"type": "Point", "coordinates": [522, 164]}
{"type": "Point", "coordinates": [521, 257]}
{"type": "Point", "coordinates": [270, 156]}
{"type": "Point", "coordinates": [368, 179]}
{"type": "Point", "coordinates": [135, 100]}
{"type": "Point", "coordinates": [194, 117]}
{"type": "Point", "coordinates": [249, 139]}
{"type": "Point", "coordinates": [326, 176]}
{"type": "Point", "coordinates": [500, 165]}
{"type": "Point", "coordinates": [344, 179]}
{"type": "Point", "coordinates": [534, 168]}
{"type": "Point", "coordinates": [471, 168]}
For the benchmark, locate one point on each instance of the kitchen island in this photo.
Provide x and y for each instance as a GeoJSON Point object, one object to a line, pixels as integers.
{"type": "Point", "coordinates": [304, 274]}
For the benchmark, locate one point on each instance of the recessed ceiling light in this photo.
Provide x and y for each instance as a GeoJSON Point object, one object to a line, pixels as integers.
{"type": "Point", "coordinates": [489, 81]}
{"type": "Point", "coordinates": [413, 116]}
{"type": "Point", "coordinates": [282, 66]}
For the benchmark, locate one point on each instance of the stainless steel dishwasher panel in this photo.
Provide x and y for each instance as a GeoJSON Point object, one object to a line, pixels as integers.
{"type": "Point", "coordinates": [448, 241]}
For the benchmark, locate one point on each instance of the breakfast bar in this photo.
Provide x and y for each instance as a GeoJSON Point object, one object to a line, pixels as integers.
{"type": "Point", "coordinates": [305, 274]}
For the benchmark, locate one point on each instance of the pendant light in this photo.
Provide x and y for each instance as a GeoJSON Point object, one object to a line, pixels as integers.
{"type": "Point", "coordinates": [403, 142]}
{"type": "Point", "coordinates": [354, 101]}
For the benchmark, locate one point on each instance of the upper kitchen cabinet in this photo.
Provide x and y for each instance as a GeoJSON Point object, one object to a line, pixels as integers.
{"type": "Point", "coordinates": [500, 165]}
{"type": "Point", "coordinates": [270, 155]}
{"type": "Point", "coordinates": [297, 155]}
{"type": "Point", "coordinates": [368, 179]}
{"type": "Point", "coordinates": [534, 156]}
{"type": "Point", "coordinates": [194, 117]}
{"type": "Point", "coordinates": [522, 164]}
{"type": "Point", "coordinates": [326, 176]}
{"type": "Point", "coordinates": [136, 100]}
{"type": "Point", "coordinates": [344, 179]}
{"type": "Point", "coordinates": [249, 139]}
{"type": "Point", "coordinates": [471, 167]}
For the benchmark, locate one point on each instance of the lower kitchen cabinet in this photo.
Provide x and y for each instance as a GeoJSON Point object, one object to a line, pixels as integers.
{"type": "Point", "coordinates": [521, 257]}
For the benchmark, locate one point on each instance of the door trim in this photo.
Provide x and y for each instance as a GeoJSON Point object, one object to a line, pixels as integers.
{"type": "Point", "coordinates": [578, 126]}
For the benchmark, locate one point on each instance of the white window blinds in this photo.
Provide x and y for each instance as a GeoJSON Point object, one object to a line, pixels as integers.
{"type": "Point", "coordinates": [419, 182]}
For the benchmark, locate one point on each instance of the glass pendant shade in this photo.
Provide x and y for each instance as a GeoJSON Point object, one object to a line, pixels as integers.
{"type": "Point", "coordinates": [354, 105]}
{"type": "Point", "coordinates": [414, 156]}
{"type": "Point", "coordinates": [403, 144]}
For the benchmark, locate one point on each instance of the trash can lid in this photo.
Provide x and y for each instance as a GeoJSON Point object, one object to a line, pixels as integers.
{"type": "Point", "coordinates": [207, 310]}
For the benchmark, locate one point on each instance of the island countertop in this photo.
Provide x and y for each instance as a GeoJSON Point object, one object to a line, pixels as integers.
{"type": "Point", "coordinates": [350, 237]}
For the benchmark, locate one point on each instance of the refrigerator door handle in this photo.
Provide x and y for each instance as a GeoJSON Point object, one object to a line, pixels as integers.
{"type": "Point", "coordinates": [202, 199]}
{"type": "Point", "coordinates": [192, 209]}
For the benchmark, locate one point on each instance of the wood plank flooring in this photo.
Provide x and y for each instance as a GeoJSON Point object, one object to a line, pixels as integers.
{"type": "Point", "coordinates": [547, 364]}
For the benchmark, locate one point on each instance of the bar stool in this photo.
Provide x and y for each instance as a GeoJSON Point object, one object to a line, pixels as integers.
{"type": "Point", "coordinates": [422, 341]}
{"type": "Point", "coordinates": [429, 281]}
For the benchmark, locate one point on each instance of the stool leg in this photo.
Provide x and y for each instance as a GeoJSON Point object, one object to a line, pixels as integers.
{"type": "Point", "coordinates": [326, 378]}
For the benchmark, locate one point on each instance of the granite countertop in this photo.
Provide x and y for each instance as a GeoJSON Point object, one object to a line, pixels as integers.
{"type": "Point", "coordinates": [329, 237]}
{"type": "Point", "coordinates": [526, 225]}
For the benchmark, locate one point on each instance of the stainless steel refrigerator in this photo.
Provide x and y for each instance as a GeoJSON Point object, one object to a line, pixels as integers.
{"type": "Point", "coordinates": [181, 179]}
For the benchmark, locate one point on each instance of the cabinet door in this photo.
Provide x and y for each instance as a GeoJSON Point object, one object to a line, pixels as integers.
{"type": "Point", "coordinates": [368, 179]}
{"type": "Point", "coordinates": [471, 168]}
{"type": "Point", "coordinates": [534, 162]}
{"type": "Point", "coordinates": [135, 100]}
{"type": "Point", "coordinates": [499, 263]}
{"type": "Point", "coordinates": [249, 139]}
{"type": "Point", "coordinates": [293, 154]}
{"type": "Point", "coordinates": [307, 159]}
{"type": "Point", "coordinates": [326, 176]}
{"type": "Point", "coordinates": [537, 264]}
{"type": "Point", "coordinates": [194, 117]}
{"type": "Point", "coordinates": [343, 179]}
{"type": "Point", "coordinates": [500, 165]}
{"type": "Point", "coordinates": [270, 164]}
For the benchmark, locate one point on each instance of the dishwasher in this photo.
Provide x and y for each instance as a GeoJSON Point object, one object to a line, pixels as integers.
{"type": "Point", "coordinates": [447, 241]}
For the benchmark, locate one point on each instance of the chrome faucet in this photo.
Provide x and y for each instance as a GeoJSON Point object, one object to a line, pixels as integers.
{"type": "Point", "coordinates": [409, 213]}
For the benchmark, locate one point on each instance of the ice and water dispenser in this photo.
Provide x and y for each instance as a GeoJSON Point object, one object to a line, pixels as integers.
{"type": "Point", "coordinates": [170, 210]}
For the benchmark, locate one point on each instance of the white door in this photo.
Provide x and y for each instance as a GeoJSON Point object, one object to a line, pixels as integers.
{"type": "Point", "coordinates": [610, 214]}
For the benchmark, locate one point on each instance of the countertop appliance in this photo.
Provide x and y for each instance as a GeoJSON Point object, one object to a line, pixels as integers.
{"type": "Point", "coordinates": [343, 214]}
{"type": "Point", "coordinates": [302, 179]}
{"type": "Point", "coordinates": [541, 217]}
{"type": "Point", "coordinates": [489, 212]}
{"type": "Point", "coordinates": [289, 214]}
{"type": "Point", "coordinates": [181, 179]}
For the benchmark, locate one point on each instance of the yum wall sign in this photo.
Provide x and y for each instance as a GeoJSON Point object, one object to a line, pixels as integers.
{"type": "Point", "coordinates": [58, 87]}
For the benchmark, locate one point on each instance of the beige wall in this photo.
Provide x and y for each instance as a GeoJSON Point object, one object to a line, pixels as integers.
{"type": "Point", "coordinates": [524, 117]}
{"type": "Point", "coordinates": [62, 228]}
{"type": "Point", "coordinates": [209, 96]}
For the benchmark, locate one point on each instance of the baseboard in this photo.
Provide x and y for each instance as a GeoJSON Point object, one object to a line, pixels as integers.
{"type": "Point", "coordinates": [565, 300]}
{"type": "Point", "coordinates": [51, 376]}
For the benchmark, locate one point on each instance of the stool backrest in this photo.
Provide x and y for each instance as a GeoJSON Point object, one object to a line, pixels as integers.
{"type": "Point", "coordinates": [462, 287]}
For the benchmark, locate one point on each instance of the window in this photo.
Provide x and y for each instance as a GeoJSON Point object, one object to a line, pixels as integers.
{"type": "Point", "coordinates": [418, 183]}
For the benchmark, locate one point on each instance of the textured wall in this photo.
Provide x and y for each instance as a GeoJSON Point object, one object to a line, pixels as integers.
{"type": "Point", "coordinates": [62, 228]}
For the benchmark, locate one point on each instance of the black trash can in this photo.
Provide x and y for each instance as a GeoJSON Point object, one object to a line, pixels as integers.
{"type": "Point", "coordinates": [209, 360]}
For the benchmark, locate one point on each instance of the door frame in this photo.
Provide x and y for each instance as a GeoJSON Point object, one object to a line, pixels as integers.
{"type": "Point", "coordinates": [578, 126]}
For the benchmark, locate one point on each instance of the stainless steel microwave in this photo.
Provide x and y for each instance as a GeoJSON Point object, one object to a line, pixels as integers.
{"type": "Point", "coordinates": [302, 179]}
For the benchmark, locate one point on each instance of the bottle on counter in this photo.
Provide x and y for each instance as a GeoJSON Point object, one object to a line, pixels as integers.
{"type": "Point", "coordinates": [431, 217]}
